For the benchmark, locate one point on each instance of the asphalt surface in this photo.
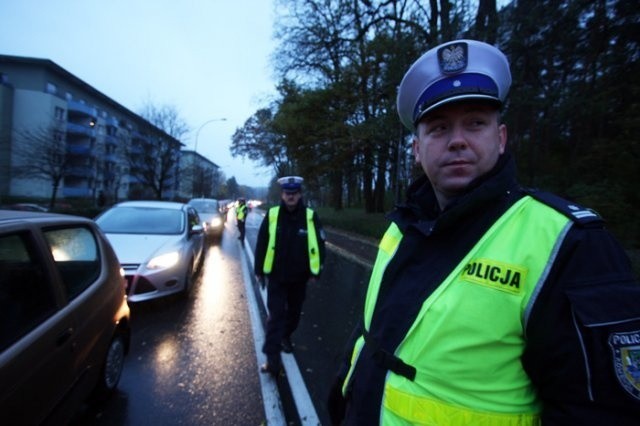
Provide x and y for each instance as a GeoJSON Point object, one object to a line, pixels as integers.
{"type": "Point", "coordinates": [195, 360]}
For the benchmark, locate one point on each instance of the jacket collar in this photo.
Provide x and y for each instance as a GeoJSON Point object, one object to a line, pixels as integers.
{"type": "Point", "coordinates": [421, 207]}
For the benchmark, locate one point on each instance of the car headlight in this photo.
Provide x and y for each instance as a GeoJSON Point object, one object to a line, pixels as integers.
{"type": "Point", "coordinates": [215, 222]}
{"type": "Point", "coordinates": [166, 260]}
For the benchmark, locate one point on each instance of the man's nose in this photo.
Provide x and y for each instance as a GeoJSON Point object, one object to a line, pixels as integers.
{"type": "Point", "coordinates": [457, 139]}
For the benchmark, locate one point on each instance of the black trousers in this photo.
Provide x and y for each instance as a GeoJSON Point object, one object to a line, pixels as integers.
{"type": "Point", "coordinates": [241, 229]}
{"type": "Point", "coordinates": [284, 301]}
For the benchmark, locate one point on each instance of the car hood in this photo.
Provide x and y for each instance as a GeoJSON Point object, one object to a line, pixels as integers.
{"type": "Point", "coordinates": [136, 248]}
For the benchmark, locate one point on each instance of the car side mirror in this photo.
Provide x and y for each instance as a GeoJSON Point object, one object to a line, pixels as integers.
{"type": "Point", "coordinates": [196, 229]}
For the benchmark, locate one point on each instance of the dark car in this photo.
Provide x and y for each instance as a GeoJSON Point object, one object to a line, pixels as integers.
{"type": "Point", "coordinates": [64, 318]}
{"type": "Point", "coordinates": [30, 207]}
{"type": "Point", "coordinates": [212, 216]}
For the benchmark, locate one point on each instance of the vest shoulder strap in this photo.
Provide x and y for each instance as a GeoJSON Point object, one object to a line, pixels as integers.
{"type": "Point", "coordinates": [581, 215]}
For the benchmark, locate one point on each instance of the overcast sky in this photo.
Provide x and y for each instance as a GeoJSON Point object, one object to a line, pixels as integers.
{"type": "Point", "coordinates": [210, 59]}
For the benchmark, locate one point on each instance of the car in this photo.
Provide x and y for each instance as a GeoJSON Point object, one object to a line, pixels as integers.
{"type": "Point", "coordinates": [211, 215]}
{"type": "Point", "coordinates": [160, 245]}
{"type": "Point", "coordinates": [65, 325]}
{"type": "Point", "coordinates": [27, 207]}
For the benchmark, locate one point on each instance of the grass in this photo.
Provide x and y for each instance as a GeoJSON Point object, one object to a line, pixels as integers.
{"type": "Point", "coordinates": [374, 224]}
{"type": "Point", "coordinates": [355, 220]}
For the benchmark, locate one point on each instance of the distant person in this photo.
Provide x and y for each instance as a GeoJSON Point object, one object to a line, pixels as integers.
{"type": "Point", "coordinates": [289, 253]}
{"type": "Point", "coordinates": [241, 217]}
{"type": "Point", "coordinates": [489, 303]}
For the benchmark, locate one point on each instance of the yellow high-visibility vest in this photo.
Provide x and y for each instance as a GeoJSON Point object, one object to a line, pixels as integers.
{"type": "Point", "coordinates": [312, 242]}
{"type": "Point", "coordinates": [241, 212]}
{"type": "Point", "coordinates": [467, 340]}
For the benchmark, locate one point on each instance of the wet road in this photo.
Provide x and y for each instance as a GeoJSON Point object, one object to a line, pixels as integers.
{"type": "Point", "coordinates": [192, 361]}
{"type": "Point", "coordinates": [195, 361]}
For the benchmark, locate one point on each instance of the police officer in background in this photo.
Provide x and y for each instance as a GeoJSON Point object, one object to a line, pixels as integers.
{"type": "Point", "coordinates": [289, 252]}
{"type": "Point", "coordinates": [241, 217]}
{"type": "Point", "coordinates": [488, 303]}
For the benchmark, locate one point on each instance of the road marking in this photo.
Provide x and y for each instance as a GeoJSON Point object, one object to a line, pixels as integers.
{"type": "Point", "coordinates": [301, 397]}
{"type": "Point", "coordinates": [349, 256]}
{"type": "Point", "coordinates": [270, 396]}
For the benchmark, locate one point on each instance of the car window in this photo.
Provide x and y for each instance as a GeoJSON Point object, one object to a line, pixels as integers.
{"type": "Point", "coordinates": [26, 297]}
{"type": "Point", "coordinates": [193, 218]}
{"type": "Point", "coordinates": [140, 220]}
{"type": "Point", "coordinates": [205, 206]}
{"type": "Point", "coordinates": [75, 252]}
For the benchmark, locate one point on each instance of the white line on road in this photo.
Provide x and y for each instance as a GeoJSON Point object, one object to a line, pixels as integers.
{"type": "Point", "coordinates": [270, 396]}
{"type": "Point", "coordinates": [304, 405]}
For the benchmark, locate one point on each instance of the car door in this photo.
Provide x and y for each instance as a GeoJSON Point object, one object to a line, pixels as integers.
{"type": "Point", "coordinates": [77, 258]}
{"type": "Point", "coordinates": [36, 336]}
{"type": "Point", "coordinates": [196, 239]}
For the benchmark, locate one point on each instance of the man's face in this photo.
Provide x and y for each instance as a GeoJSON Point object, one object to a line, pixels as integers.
{"type": "Point", "coordinates": [291, 198]}
{"type": "Point", "coordinates": [456, 143]}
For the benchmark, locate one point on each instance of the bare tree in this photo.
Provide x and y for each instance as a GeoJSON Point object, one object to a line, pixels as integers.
{"type": "Point", "coordinates": [40, 154]}
{"type": "Point", "coordinates": [153, 158]}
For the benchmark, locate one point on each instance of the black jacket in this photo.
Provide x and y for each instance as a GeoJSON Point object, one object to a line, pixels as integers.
{"type": "Point", "coordinates": [291, 260]}
{"type": "Point", "coordinates": [589, 295]}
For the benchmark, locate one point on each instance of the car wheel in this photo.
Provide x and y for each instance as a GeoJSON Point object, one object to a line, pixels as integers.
{"type": "Point", "coordinates": [112, 368]}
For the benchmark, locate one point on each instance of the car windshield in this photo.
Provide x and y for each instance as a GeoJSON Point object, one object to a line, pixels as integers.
{"type": "Point", "coordinates": [141, 220]}
{"type": "Point", "coordinates": [205, 206]}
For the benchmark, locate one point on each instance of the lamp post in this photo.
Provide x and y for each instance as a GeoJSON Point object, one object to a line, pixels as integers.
{"type": "Point", "coordinates": [195, 150]}
{"type": "Point", "coordinates": [195, 147]}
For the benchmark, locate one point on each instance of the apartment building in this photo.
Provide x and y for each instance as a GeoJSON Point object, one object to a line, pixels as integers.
{"type": "Point", "coordinates": [199, 176]}
{"type": "Point", "coordinates": [58, 133]}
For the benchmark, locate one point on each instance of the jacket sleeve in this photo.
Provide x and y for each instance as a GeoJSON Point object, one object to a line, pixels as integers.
{"type": "Point", "coordinates": [261, 246]}
{"type": "Point", "coordinates": [583, 334]}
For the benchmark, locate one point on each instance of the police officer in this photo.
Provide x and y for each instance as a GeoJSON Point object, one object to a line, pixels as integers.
{"type": "Point", "coordinates": [289, 252]}
{"type": "Point", "coordinates": [241, 217]}
{"type": "Point", "coordinates": [488, 303]}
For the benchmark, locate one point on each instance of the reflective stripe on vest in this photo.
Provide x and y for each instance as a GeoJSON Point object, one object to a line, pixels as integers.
{"type": "Point", "coordinates": [467, 340]}
{"type": "Point", "coordinates": [312, 242]}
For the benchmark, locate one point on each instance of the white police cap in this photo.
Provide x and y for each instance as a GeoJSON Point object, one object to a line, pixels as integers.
{"type": "Point", "coordinates": [453, 71]}
{"type": "Point", "coordinates": [291, 183]}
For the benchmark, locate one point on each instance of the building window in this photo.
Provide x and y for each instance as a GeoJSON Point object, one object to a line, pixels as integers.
{"type": "Point", "coordinates": [51, 88]}
{"type": "Point", "coordinates": [59, 113]}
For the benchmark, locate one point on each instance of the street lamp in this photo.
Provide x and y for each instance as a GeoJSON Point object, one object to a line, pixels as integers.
{"type": "Point", "coordinates": [195, 147]}
{"type": "Point", "coordinates": [195, 150]}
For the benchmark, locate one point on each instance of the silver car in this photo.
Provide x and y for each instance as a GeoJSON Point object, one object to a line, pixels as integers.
{"type": "Point", "coordinates": [211, 216]}
{"type": "Point", "coordinates": [160, 245]}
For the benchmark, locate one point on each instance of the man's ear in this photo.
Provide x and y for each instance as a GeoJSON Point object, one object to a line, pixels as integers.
{"type": "Point", "coordinates": [502, 135]}
{"type": "Point", "coordinates": [416, 149]}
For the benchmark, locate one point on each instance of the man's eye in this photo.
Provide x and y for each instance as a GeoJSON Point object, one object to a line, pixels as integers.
{"type": "Point", "coordinates": [477, 122]}
{"type": "Point", "coordinates": [438, 128]}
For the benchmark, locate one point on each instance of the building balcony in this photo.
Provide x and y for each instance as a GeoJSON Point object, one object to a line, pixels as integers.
{"type": "Point", "coordinates": [79, 171]}
{"type": "Point", "coordinates": [137, 136]}
{"type": "Point", "coordinates": [79, 108]}
{"type": "Point", "coordinates": [110, 140]}
{"type": "Point", "coordinates": [111, 122]}
{"type": "Point", "coordinates": [111, 158]}
{"type": "Point", "coordinates": [79, 149]}
{"type": "Point", "coordinates": [81, 129]}
{"type": "Point", "coordinates": [76, 191]}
